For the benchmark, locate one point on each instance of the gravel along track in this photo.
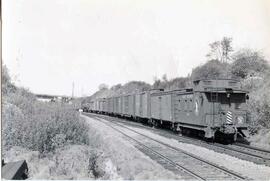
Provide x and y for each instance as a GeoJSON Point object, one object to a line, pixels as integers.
{"type": "Point", "coordinates": [187, 165]}
{"type": "Point", "coordinates": [248, 153]}
{"type": "Point", "coordinates": [242, 151]}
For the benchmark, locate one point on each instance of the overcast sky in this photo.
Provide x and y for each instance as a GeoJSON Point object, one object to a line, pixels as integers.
{"type": "Point", "coordinates": [48, 44]}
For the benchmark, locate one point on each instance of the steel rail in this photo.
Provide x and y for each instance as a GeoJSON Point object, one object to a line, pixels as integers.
{"type": "Point", "coordinates": [262, 159]}
{"type": "Point", "coordinates": [155, 152]}
{"type": "Point", "coordinates": [182, 151]}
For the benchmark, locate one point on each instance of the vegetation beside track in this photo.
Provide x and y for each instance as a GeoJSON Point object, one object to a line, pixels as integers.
{"type": "Point", "coordinates": [48, 135]}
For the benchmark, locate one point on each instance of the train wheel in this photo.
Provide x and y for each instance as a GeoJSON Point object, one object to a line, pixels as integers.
{"type": "Point", "coordinates": [156, 123]}
{"type": "Point", "coordinates": [150, 122]}
{"type": "Point", "coordinates": [175, 127]}
{"type": "Point", "coordinates": [210, 140]}
{"type": "Point", "coordinates": [186, 131]}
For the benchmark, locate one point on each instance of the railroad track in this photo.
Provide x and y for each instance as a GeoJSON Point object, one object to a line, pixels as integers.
{"type": "Point", "coordinates": [242, 151]}
{"type": "Point", "coordinates": [189, 166]}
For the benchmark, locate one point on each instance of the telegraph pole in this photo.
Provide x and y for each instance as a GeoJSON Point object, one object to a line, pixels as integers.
{"type": "Point", "coordinates": [72, 89]}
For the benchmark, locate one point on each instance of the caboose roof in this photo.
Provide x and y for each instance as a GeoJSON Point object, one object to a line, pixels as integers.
{"type": "Point", "coordinates": [224, 90]}
{"type": "Point", "coordinates": [216, 84]}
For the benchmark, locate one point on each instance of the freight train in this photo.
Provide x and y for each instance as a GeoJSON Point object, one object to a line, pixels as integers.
{"type": "Point", "coordinates": [211, 108]}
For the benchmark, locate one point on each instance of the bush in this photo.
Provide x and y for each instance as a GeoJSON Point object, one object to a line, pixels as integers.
{"type": "Point", "coordinates": [47, 128]}
{"type": "Point", "coordinates": [38, 126]}
{"type": "Point", "coordinates": [261, 139]}
{"type": "Point", "coordinates": [259, 102]}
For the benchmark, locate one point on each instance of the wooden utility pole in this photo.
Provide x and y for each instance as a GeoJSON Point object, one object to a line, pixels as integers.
{"type": "Point", "coordinates": [72, 89]}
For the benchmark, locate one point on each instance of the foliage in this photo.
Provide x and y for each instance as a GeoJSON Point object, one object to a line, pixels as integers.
{"type": "Point", "coordinates": [7, 86]}
{"type": "Point", "coordinates": [38, 126]}
{"type": "Point", "coordinates": [103, 86]}
{"type": "Point", "coordinates": [248, 63]}
{"type": "Point", "coordinates": [221, 50]}
{"type": "Point", "coordinates": [259, 103]}
{"type": "Point", "coordinates": [178, 83]}
{"type": "Point", "coordinates": [134, 87]}
{"type": "Point", "coordinates": [261, 139]}
{"type": "Point", "coordinates": [210, 70]}
{"type": "Point", "coordinates": [173, 84]}
{"type": "Point", "coordinates": [130, 87]}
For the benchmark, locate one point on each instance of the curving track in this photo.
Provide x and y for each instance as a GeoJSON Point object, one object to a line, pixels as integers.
{"type": "Point", "coordinates": [180, 162]}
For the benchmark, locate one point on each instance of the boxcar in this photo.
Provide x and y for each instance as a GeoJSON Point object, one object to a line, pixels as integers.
{"type": "Point", "coordinates": [143, 104]}
{"type": "Point", "coordinates": [89, 107]}
{"type": "Point", "coordinates": [161, 106]}
{"type": "Point", "coordinates": [95, 108]}
{"type": "Point", "coordinates": [129, 105]}
{"type": "Point", "coordinates": [105, 105]}
{"type": "Point", "coordinates": [114, 105]}
{"type": "Point", "coordinates": [118, 105]}
{"type": "Point", "coordinates": [122, 100]}
{"type": "Point", "coordinates": [98, 105]}
{"type": "Point", "coordinates": [110, 105]}
{"type": "Point", "coordinates": [102, 107]}
{"type": "Point", "coordinates": [138, 105]}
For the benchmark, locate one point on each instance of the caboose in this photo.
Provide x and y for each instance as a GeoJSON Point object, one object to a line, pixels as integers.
{"type": "Point", "coordinates": [211, 108]}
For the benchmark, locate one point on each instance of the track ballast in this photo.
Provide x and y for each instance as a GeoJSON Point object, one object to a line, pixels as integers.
{"type": "Point", "coordinates": [179, 161]}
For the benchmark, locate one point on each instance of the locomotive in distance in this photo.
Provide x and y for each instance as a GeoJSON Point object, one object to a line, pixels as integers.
{"type": "Point", "coordinates": [211, 108]}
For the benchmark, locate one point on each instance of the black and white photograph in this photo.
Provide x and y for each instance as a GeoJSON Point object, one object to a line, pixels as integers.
{"type": "Point", "coordinates": [135, 89]}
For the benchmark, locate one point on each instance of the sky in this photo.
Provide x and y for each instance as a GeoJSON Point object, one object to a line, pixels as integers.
{"type": "Point", "coordinates": [48, 44]}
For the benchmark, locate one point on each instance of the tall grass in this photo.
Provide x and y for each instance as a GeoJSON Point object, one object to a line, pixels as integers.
{"type": "Point", "coordinates": [41, 127]}
{"type": "Point", "coordinates": [38, 126]}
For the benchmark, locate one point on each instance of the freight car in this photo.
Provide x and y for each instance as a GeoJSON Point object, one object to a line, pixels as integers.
{"type": "Point", "coordinates": [211, 108]}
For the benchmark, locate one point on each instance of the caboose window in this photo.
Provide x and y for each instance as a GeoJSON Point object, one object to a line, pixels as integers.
{"type": "Point", "coordinates": [223, 98]}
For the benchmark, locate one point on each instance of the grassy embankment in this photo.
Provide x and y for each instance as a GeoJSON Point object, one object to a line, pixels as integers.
{"type": "Point", "coordinates": [54, 140]}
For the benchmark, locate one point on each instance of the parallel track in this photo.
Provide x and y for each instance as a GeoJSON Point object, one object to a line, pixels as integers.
{"type": "Point", "coordinates": [242, 151]}
{"type": "Point", "coordinates": [190, 166]}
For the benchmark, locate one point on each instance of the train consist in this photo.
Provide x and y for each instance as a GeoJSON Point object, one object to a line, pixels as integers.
{"type": "Point", "coordinates": [211, 108]}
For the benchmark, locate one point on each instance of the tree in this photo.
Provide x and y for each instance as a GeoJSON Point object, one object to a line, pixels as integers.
{"type": "Point", "coordinates": [178, 83]}
{"type": "Point", "coordinates": [103, 87]}
{"type": "Point", "coordinates": [226, 48]}
{"type": "Point", "coordinates": [211, 70]}
{"type": "Point", "coordinates": [7, 85]}
{"type": "Point", "coordinates": [164, 78]}
{"type": "Point", "coordinates": [157, 83]}
{"type": "Point", "coordinates": [248, 62]}
{"type": "Point", "coordinates": [220, 50]}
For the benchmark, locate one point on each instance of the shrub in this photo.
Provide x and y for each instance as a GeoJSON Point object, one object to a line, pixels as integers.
{"type": "Point", "coordinates": [36, 125]}
{"type": "Point", "coordinates": [259, 102]}
{"type": "Point", "coordinates": [45, 129]}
